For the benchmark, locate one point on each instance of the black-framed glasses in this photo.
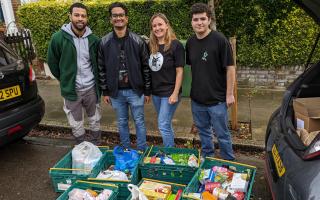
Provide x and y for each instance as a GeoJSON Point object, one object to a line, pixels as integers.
{"type": "Point", "coordinates": [120, 15]}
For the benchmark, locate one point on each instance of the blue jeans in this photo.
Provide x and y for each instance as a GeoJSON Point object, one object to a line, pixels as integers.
{"type": "Point", "coordinates": [165, 112]}
{"type": "Point", "coordinates": [125, 99]}
{"type": "Point", "coordinates": [207, 119]}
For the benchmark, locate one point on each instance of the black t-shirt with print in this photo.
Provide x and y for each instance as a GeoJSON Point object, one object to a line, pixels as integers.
{"type": "Point", "coordinates": [209, 58]}
{"type": "Point", "coordinates": [163, 68]}
{"type": "Point", "coordinates": [123, 68]}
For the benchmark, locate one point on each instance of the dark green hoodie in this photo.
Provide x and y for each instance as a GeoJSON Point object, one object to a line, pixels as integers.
{"type": "Point", "coordinates": [62, 61]}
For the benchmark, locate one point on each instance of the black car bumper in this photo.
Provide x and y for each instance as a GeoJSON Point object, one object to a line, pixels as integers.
{"type": "Point", "coordinates": [18, 122]}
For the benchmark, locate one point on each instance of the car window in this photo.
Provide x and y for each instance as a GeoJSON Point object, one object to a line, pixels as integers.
{"type": "Point", "coordinates": [11, 58]}
{"type": "Point", "coordinates": [3, 61]}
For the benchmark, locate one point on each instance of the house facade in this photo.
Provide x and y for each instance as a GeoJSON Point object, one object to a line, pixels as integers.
{"type": "Point", "coordinates": [8, 9]}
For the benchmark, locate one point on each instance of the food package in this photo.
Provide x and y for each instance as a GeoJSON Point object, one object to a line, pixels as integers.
{"type": "Point", "coordinates": [85, 156]}
{"type": "Point", "coordinates": [220, 193]}
{"type": "Point", "coordinates": [193, 161]}
{"type": "Point", "coordinates": [209, 186]}
{"type": "Point", "coordinates": [155, 190]}
{"type": "Point", "coordinates": [239, 182]}
{"type": "Point", "coordinates": [113, 175]}
{"type": "Point", "coordinates": [196, 196]}
{"type": "Point", "coordinates": [208, 196]}
{"type": "Point", "coordinates": [79, 194]}
{"type": "Point", "coordinates": [207, 175]}
{"type": "Point", "coordinates": [238, 195]}
{"type": "Point", "coordinates": [152, 160]}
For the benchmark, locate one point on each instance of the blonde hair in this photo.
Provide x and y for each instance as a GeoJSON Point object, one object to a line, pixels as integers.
{"type": "Point", "coordinates": [169, 36]}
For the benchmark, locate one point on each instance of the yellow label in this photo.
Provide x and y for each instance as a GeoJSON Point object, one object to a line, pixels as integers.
{"type": "Point", "coordinates": [10, 92]}
{"type": "Point", "coordinates": [278, 162]}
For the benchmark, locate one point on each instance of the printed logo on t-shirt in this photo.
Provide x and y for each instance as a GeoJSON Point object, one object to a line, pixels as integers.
{"type": "Point", "coordinates": [204, 56]}
{"type": "Point", "coordinates": [156, 61]}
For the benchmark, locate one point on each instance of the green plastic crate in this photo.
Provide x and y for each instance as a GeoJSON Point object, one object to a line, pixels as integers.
{"type": "Point", "coordinates": [194, 185]}
{"type": "Point", "coordinates": [123, 185]}
{"type": "Point", "coordinates": [61, 173]}
{"type": "Point", "coordinates": [170, 173]}
{"type": "Point", "coordinates": [175, 186]}
{"type": "Point", "coordinates": [93, 186]}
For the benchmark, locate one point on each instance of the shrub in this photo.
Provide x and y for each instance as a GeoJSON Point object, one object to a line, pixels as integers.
{"type": "Point", "coordinates": [46, 17]}
{"type": "Point", "coordinates": [269, 33]}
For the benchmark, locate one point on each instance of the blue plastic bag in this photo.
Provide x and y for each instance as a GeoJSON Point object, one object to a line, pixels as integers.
{"type": "Point", "coordinates": [125, 159]}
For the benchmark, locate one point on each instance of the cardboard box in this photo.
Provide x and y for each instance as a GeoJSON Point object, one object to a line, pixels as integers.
{"type": "Point", "coordinates": [307, 113]}
{"type": "Point", "coordinates": [155, 190]}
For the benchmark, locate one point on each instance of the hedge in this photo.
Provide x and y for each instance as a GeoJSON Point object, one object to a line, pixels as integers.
{"type": "Point", "coordinates": [46, 17]}
{"type": "Point", "coordinates": [269, 33]}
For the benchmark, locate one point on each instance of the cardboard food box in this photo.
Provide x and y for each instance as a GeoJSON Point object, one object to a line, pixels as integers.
{"type": "Point", "coordinates": [155, 191]}
{"type": "Point", "coordinates": [307, 113]}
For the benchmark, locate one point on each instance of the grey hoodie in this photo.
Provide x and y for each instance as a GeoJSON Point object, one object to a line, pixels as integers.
{"type": "Point", "coordinates": [85, 77]}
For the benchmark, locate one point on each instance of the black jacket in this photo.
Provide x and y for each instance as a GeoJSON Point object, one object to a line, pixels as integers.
{"type": "Point", "coordinates": [137, 55]}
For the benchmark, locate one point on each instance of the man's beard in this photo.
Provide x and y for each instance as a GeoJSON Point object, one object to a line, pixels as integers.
{"type": "Point", "coordinates": [79, 27]}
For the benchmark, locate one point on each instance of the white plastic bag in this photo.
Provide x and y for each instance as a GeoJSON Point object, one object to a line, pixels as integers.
{"type": "Point", "coordinates": [136, 193]}
{"type": "Point", "coordinates": [104, 195]}
{"type": "Point", "coordinates": [76, 194]}
{"type": "Point", "coordinates": [85, 156]}
{"type": "Point", "coordinates": [113, 175]}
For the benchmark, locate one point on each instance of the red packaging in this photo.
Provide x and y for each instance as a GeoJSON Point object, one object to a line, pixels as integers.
{"type": "Point", "coordinates": [238, 195]}
{"type": "Point", "coordinates": [153, 159]}
{"type": "Point", "coordinates": [209, 186]}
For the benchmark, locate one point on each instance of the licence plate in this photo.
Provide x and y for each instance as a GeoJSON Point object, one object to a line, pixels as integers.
{"type": "Point", "coordinates": [10, 92]}
{"type": "Point", "coordinates": [278, 162]}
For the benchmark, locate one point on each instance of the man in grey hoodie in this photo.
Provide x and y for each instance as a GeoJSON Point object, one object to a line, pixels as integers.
{"type": "Point", "coordinates": [72, 58]}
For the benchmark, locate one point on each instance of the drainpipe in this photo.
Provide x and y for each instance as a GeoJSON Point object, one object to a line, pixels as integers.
{"type": "Point", "coordinates": [8, 15]}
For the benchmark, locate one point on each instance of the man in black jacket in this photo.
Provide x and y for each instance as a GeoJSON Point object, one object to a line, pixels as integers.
{"type": "Point", "coordinates": [124, 74]}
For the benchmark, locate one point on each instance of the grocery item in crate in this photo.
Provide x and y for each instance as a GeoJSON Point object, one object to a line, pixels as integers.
{"type": "Point", "coordinates": [125, 159]}
{"type": "Point", "coordinates": [79, 194]}
{"type": "Point", "coordinates": [239, 182]}
{"type": "Point", "coordinates": [155, 190]}
{"type": "Point", "coordinates": [173, 159]}
{"type": "Point", "coordinates": [220, 193]}
{"type": "Point", "coordinates": [208, 196]}
{"type": "Point", "coordinates": [206, 175]}
{"type": "Point", "coordinates": [85, 156]}
{"type": "Point", "coordinates": [136, 194]}
{"type": "Point", "coordinates": [113, 175]}
{"type": "Point", "coordinates": [193, 195]}
{"type": "Point", "coordinates": [193, 161]}
{"type": "Point", "coordinates": [223, 183]}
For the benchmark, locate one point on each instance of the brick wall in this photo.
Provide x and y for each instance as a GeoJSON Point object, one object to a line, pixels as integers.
{"type": "Point", "coordinates": [269, 78]}
{"type": "Point", "coordinates": [15, 5]}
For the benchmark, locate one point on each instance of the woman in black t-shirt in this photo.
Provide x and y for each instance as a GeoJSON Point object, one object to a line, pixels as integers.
{"type": "Point", "coordinates": [166, 62]}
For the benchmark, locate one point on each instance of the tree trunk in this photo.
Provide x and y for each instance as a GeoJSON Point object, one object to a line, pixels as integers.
{"type": "Point", "coordinates": [213, 25]}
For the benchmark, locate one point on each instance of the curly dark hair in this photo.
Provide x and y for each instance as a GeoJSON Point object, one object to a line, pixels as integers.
{"type": "Point", "coordinates": [77, 5]}
{"type": "Point", "coordinates": [200, 8]}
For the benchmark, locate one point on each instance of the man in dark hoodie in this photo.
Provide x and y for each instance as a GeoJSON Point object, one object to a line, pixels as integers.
{"type": "Point", "coordinates": [72, 58]}
{"type": "Point", "coordinates": [125, 76]}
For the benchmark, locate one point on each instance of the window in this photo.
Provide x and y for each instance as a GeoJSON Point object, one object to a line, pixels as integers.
{"type": "Point", "coordinates": [1, 15]}
{"type": "Point", "coordinates": [3, 61]}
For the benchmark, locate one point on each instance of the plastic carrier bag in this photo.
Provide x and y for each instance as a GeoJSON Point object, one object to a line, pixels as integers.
{"type": "Point", "coordinates": [85, 156]}
{"type": "Point", "coordinates": [136, 194]}
{"type": "Point", "coordinates": [125, 159]}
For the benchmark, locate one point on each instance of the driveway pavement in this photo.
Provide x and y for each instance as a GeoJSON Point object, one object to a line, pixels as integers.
{"type": "Point", "coordinates": [254, 106]}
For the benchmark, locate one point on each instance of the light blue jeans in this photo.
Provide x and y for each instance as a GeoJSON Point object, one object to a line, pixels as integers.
{"type": "Point", "coordinates": [165, 112]}
{"type": "Point", "coordinates": [129, 99]}
{"type": "Point", "coordinates": [213, 118]}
